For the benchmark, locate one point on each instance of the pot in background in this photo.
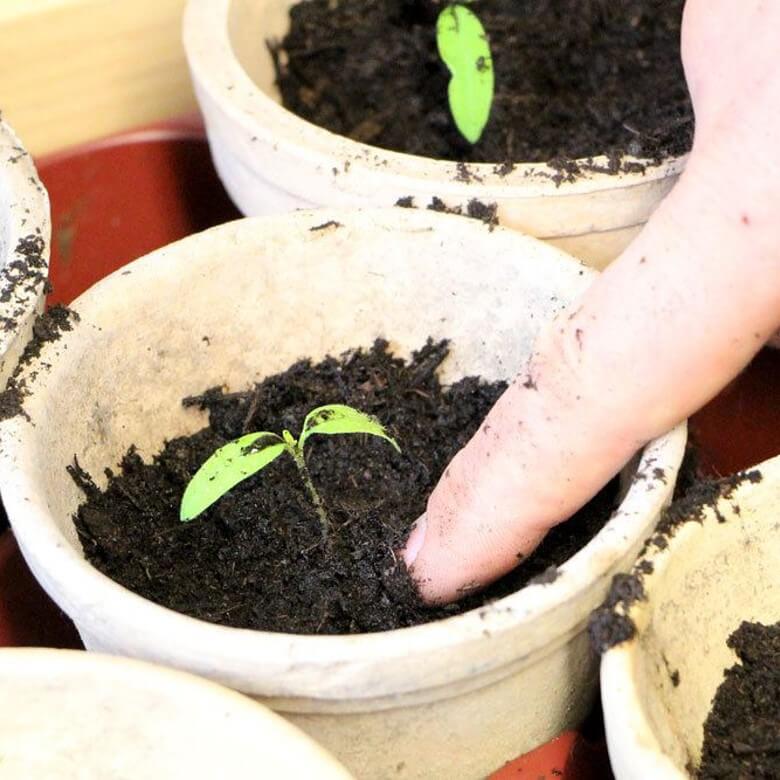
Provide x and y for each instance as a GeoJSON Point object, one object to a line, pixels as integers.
{"type": "Point", "coordinates": [271, 160]}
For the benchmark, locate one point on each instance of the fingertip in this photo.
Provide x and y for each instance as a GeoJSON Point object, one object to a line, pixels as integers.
{"type": "Point", "coordinates": [415, 541]}
{"type": "Point", "coordinates": [417, 564]}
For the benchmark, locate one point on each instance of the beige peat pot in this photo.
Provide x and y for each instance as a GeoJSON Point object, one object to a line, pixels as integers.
{"type": "Point", "coordinates": [70, 715]}
{"type": "Point", "coordinates": [24, 248]}
{"type": "Point", "coordinates": [270, 160]}
{"type": "Point", "coordinates": [720, 568]}
{"type": "Point", "coordinates": [453, 698]}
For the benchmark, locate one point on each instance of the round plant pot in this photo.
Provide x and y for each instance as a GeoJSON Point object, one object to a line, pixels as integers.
{"type": "Point", "coordinates": [270, 160]}
{"type": "Point", "coordinates": [717, 569]}
{"type": "Point", "coordinates": [471, 691]}
{"type": "Point", "coordinates": [24, 248]}
{"type": "Point", "coordinates": [69, 714]}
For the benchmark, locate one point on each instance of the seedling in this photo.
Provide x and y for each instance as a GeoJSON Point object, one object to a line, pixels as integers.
{"type": "Point", "coordinates": [242, 458]}
{"type": "Point", "coordinates": [464, 48]}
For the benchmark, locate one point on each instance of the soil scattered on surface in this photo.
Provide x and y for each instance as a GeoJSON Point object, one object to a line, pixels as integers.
{"type": "Point", "coordinates": [22, 277]}
{"type": "Point", "coordinates": [47, 327]}
{"type": "Point", "coordinates": [609, 625]}
{"type": "Point", "coordinates": [691, 507]}
{"type": "Point", "coordinates": [742, 731]}
{"type": "Point", "coordinates": [256, 558]}
{"type": "Point", "coordinates": [573, 79]}
{"type": "Point", "coordinates": [331, 223]}
{"type": "Point", "coordinates": [476, 209]}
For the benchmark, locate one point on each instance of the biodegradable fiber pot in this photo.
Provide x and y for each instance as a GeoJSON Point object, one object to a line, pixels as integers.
{"type": "Point", "coordinates": [270, 160]}
{"type": "Point", "coordinates": [657, 688]}
{"type": "Point", "coordinates": [460, 695]}
{"type": "Point", "coordinates": [69, 714]}
{"type": "Point", "coordinates": [24, 248]}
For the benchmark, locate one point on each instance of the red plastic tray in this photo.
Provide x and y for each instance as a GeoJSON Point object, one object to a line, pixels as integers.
{"type": "Point", "coordinates": [119, 199]}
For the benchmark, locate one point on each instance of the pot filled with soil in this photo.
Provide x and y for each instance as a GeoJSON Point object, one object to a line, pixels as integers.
{"type": "Point", "coordinates": [346, 103]}
{"type": "Point", "coordinates": [24, 248]}
{"type": "Point", "coordinates": [691, 682]}
{"type": "Point", "coordinates": [69, 714]}
{"type": "Point", "coordinates": [245, 330]}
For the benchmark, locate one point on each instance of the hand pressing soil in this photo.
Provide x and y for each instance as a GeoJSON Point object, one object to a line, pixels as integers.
{"type": "Point", "coordinates": [256, 558]}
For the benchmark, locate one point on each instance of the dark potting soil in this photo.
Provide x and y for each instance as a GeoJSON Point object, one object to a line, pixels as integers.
{"type": "Point", "coordinates": [573, 79]}
{"type": "Point", "coordinates": [742, 731]}
{"type": "Point", "coordinates": [256, 558]}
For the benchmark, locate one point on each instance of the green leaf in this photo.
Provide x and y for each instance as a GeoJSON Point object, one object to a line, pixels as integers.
{"type": "Point", "coordinates": [229, 465]}
{"type": "Point", "coordinates": [339, 418]}
{"type": "Point", "coordinates": [465, 50]}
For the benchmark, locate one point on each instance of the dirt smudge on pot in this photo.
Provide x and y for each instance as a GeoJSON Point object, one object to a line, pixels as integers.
{"type": "Point", "coordinates": [331, 223]}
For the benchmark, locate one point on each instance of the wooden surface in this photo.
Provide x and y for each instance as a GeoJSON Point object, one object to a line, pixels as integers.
{"type": "Point", "coordinates": [76, 70]}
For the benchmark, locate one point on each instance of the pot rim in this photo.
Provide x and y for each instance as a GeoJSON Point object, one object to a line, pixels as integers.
{"type": "Point", "coordinates": [216, 69]}
{"type": "Point", "coordinates": [628, 725]}
{"type": "Point", "coordinates": [531, 607]}
{"type": "Point", "coordinates": [47, 666]}
{"type": "Point", "coordinates": [24, 213]}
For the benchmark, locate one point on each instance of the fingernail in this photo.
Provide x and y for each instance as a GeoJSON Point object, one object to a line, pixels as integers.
{"type": "Point", "coordinates": [415, 541]}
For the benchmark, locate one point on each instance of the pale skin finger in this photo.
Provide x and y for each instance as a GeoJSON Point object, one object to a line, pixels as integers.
{"type": "Point", "coordinates": [655, 338]}
{"type": "Point", "coordinates": [657, 335]}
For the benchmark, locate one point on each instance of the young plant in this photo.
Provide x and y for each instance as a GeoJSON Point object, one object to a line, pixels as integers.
{"type": "Point", "coordinates": [463, 46]}
{"type": "Point", "coordinates": [241, 458]}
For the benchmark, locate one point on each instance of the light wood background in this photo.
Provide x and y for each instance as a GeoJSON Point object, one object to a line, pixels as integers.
{"type": "Point", "coordinates": [75, 70]}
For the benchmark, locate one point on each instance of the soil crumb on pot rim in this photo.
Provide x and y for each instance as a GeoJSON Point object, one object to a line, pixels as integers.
{"type": "Point", "coordinates": [691, 507]}
{"type": "Point", "coordinates": [255, 559]}
{"type": "Point", "coordinates": [610, 625]}
{"type": "Point", "coordinates": [573, 80]}
{"type": "Point", "coordinates": [475, 208]}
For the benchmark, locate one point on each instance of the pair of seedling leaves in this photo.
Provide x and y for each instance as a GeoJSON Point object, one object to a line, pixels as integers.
{"type": "Point", "coordinates": [464, 48]}
{"type": "Point", "coordinates": [243, 457]}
